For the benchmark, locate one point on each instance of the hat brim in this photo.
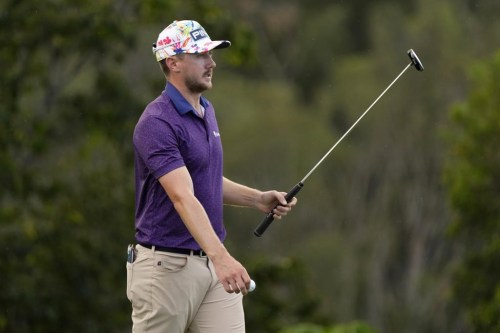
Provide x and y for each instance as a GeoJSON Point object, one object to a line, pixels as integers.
{"type": "Point", "coordinates": [222, 44]}
{"type": "Point", "coordinates": [214, 44]}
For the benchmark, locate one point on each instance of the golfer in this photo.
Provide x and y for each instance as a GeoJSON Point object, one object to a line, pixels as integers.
{"type": "Point", "coordinates": [180, 277]}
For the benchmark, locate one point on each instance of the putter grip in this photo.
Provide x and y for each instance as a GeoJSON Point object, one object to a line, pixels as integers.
{"type": "Point", "coordinates": [261, 228]}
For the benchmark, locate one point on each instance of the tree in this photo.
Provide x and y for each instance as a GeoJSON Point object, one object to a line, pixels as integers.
{"type": "Point", "coordinates": [63, 195]}
{"type": "Point", "coordinates": [355, 327]}
{"type": "Point", "coordinates": [373, 219]}
{"type": "Point", "coordinates": [282, 297]}
{"type": "Point", "coordinates": [66, 118]}
{"type": "Point", "coordinates": [473, 179]}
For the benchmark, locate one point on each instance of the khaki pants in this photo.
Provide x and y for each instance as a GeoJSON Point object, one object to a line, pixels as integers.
{"type": "Point", "coordinates": [177, 293]}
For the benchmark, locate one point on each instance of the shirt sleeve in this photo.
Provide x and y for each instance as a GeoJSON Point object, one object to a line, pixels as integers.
{"type": "Point", "coordinates": [156, 143]}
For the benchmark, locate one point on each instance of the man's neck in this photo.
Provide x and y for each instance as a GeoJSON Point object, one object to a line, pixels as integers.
{"type": "Point", "coordinates": [191, 97]}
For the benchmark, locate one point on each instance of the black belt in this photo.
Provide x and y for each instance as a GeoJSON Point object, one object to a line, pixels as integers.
{"type": "Point", "coordinates": [199, 253]}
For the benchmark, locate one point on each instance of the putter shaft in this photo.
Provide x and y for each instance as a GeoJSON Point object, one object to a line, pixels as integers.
{"type": "Point", "coordinates": [261, 228]}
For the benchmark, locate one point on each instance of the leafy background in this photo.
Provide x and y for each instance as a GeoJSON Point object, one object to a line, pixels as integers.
{"type": "Point", "coordinates": [397, 231]}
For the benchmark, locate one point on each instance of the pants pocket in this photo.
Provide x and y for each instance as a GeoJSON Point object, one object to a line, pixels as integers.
{"type": "Point", "coordinates": [130, 273]}
{"type": "Point", "coordinates": [170, 263]}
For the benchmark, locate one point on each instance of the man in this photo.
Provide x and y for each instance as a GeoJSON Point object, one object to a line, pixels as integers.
{"type": "Point", "coordinates": [180, 277]}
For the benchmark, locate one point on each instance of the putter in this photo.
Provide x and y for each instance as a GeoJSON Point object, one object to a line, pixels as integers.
{"type": "Point", "coordinates": [261, 228]}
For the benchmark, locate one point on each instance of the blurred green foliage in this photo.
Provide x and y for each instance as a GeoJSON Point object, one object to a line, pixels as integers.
{"type": "Point", "coordinates": [66, 202]}
{"type": "Point", "coordinates": [282, 297]}
{"type": "Point", "coordinates": [369, 239]}
{"type": "Point", "coordinates": [473, 176]}
{"type": "Point", "coordinates": [355, 327]}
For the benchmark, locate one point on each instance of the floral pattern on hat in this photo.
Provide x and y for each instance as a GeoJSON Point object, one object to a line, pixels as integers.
{"type": "Point", "coordinates": [185, 36]}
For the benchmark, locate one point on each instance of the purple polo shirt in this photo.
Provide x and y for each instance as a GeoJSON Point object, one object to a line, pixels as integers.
{"type": "Point", "coordinates": [170, 135]}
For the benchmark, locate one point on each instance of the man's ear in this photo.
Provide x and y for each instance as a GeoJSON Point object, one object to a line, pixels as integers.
{"type": "Point", "coordinates": [173, 64]}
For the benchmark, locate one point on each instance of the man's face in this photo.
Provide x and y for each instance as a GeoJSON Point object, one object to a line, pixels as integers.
{"type": "Point", "coordinates": [197, 71]}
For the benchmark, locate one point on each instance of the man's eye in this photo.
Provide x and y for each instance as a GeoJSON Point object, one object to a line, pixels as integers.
{"type": "Point", "coordinates": [205, 55]}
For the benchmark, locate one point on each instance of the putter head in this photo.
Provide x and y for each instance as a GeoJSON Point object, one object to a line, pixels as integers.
{"type": "Point", "coordinates": [415, 61]}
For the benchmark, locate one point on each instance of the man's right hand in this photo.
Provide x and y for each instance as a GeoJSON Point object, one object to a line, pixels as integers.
{"type": "Point", "coordinates": [231, 273]}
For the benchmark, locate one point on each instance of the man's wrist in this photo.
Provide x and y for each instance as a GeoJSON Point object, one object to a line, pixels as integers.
{"type": "Point", "coordinates": [216, 253]}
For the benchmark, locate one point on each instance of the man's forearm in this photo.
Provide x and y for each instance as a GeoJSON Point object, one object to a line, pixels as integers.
{"type": "Point", "coordinates": [197, 222]}
{"type": "Point", "coordinates": [239, 195]}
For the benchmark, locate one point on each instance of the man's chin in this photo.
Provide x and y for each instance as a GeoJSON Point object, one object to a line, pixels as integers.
{"type": "Point", "coordinates": [208, 83]}
{"type": "Point", "coordinates": [199, 87]}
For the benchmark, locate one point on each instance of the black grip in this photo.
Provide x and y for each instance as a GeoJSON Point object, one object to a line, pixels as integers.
{"type": "Point", "coordinates": [261, 228]}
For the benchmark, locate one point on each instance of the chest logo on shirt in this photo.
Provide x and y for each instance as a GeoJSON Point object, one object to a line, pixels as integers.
{"type": "Point", "coordinates": [216, 134]}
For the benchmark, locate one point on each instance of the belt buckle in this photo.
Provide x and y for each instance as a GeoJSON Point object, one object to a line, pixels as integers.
{"type": "Point", "coordinates": [202, 254]}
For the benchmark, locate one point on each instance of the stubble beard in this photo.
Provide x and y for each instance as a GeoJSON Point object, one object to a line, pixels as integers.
{"type": "Point", "coordinates": [196, 86]}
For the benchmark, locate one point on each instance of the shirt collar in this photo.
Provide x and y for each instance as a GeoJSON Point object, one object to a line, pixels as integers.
{"type": "Point", "coordinates": [181, 104]}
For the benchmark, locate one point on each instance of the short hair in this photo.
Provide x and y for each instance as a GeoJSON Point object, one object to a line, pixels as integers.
{"type": "Point", "coordinates": [164, 67]}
